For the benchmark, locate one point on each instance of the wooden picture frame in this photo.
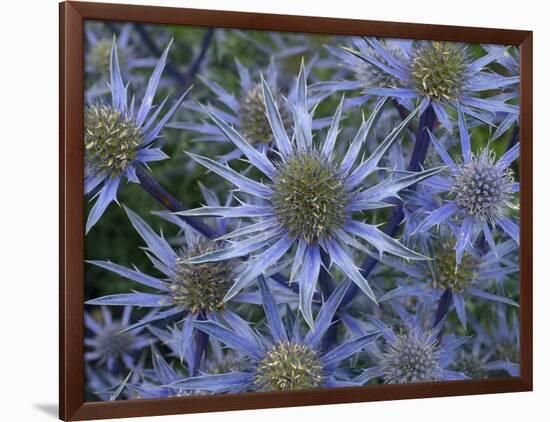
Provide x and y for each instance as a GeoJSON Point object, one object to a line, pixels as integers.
{"type": "Point", "coordinates": [71, 205]}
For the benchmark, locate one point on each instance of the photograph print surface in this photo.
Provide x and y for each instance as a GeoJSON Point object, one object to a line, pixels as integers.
{"type": "Point", "coordinates": [273, 211]}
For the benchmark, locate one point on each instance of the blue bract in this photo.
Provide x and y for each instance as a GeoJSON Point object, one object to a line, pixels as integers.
{"type": "Point", "coordinates": [117, 136]}
{"type": "Point", "coordinates": [308, 200]}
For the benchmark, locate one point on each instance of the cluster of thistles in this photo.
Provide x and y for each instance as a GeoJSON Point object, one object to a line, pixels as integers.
{"type": "Point", "coordinates": [310, 214]}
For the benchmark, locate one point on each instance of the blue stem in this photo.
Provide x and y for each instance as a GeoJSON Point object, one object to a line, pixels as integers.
{"type": "Point", "coordinates": [443, 306]}
{"type": "Point", "coordinates": [201, 343]}
{"type": "Point", "coordinates": [427, 123]}
{"type": "Point", "coordinates": [162, 196]}
{"type": "Point", "coordinates": [185, 79]}
{"type": "Point", "coordinates": [326, 282]}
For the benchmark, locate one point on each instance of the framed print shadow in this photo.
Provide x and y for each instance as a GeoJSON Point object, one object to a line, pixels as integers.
{"type": "Point", "coordinates": [266, 210]}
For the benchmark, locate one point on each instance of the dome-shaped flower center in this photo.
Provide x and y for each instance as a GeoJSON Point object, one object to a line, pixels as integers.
{"type": "Point", "coordinates": [470, 365]}
{"type": "Point", "coordinates": [370, 76]}
{"type": "Point", "coordinates": [438, 70]}
{"type": "Point", "coordinates": [111, 140]}
{"type": "Point", "coordinates": [507, 351]}
{"type": "Point", "coordinates": [309, 196]}
{"type": "Point", "coordinates": [112, 343]}
{"type": "Point", "coordinates": [202, 287]}
{"type": "Point", "coordinates": [254, 123]}
{"type": "Point", "coordinates": [411, 358]}
{"type": "Point", "coordinates": [99, 57]}
{"type": "Point", "coordinates": [444, 271]}
{"type": "Point", "coordinates": [289, 366]}
{"type": "Point", "coordinates": [483, 189]}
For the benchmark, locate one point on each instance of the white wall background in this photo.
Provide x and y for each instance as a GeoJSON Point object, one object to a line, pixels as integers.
{"type": "Point", "coordinates": [29, 213]}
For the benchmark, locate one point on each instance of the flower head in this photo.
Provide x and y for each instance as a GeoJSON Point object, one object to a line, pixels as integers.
{"type": "Point", "coordinates": [309, 196]}
{"type": "Point", "coordinates": [362, 74]}
{"type": "Point", "coordinates": [281, 362]}
{"type": "Point", "coordinates": [411, 357]}
{"type": "Point", "coordinates": [438, 70]}
{"type": "Point", "coordinates": [111, 140]}
{"type": "Point", "coordinates": [254, 123]}
{"type": "Point", "coordinates": [117, 137]}
{"type": "Point", "coordinates": [289, 366]}
{"type": "Point", "coordinates": [244, 110]}
{"type": "Point", "coordinates": [479, 192]}
{"type": "Point", "coordinates": [310, 199]}
{"type": "Point", "coordinates": [473, 277]}
{"type": "Point", "coordinates": [439, 73]}
{"type": "Point", "coordinates": [97, 60]}
{"type": "Point", "coordinates": [411, 353]}
{"type": "Point", "coordinates": [202, 287]}
{"type": "Point", "coordinates": [109, 345]}
{"type": "Point", "coordinates": [483, 189]}
{"type": "Point", "coordinates": [194, 291]}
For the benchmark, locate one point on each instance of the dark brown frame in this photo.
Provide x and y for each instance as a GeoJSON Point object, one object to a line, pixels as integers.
{"type": "Point", "coordinates": [71, 205]}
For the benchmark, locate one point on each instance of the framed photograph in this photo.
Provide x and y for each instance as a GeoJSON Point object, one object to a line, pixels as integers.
{"type": "Point", "coordinates": [267, 210]}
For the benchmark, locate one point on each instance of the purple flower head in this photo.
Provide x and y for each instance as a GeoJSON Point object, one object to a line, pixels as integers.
{"type": "Point", "coordinates": [99, 40]}
{"type": "Point", "coordinates": [308, 201]}
{"type": "Point", "coordinates": [109, 344]}
{"type": "Point", "coordinates": [283, 361]}
{"type": "Point", "coordinates": [246, 110]}
{"type": "Point", "coordinates": [479, 193]}
{"type": "Point", "coordinates": [189, 290]}
{"type": "Point", "coordinates": [411, 353]}
{"type": "Point", "coordinates": [117, 136]}
{"type": "Point", "coordinates": [438, 73]}
{"type": "Point", "coordinates": [476, 276]}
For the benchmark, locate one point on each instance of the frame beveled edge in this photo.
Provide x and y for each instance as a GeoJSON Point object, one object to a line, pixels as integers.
{"type": "Point", "coordinates": [71, 206]}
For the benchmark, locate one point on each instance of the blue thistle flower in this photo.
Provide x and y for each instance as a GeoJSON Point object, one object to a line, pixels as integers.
{"type": "Point", "coordinates": [283, 361]}
{"type": "Point", "coordinates": [479, 190]}
{"type": "Point", "coordinates": [98, 56]}
{"type": "Point", "coordinates": [475, 274]}
{"type": "Point", "coordinates": [308, 201]}
{"type": "Point", "coordinates": [498, 343]}
{"type": "Point", "coordinates": [245, 111]}
{"type": "Point", "coordinates": [194, 291]}
{"type": "Point", "coordinates": [117, 136]}
{"type": "Point", "coordinates": [355, 74]}
{"type": "Point", "coordinates": [109, 344]}
{"type": "Point", "coordinates": [410, 353]}
{"type": "Point", "coordinates": [439, 73]}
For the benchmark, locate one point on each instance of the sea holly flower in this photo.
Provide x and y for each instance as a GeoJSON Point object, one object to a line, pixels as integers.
{"type": "Point", "coordinates": [188, 290]}
{"type": "Point", "coordinates": [283, 361]}
{"type": "Point", "coordinates": [117, 137]}
{"type": "Point", "coordinates": [480, 192]}
{"type": "Point", "coordinates": [498, 342]}
{"type": "Point", "coordinates": [494, 349]}
{"type": "Point", "coordinates": [309, 200]}
{"type": "Point", "coordinates": [410, 353]}
{"type": "Point", "coordinates": [440, 74]}
{"type": "Point", "coordinates": [472, 277]}
{"type": "Point", "coordinates": [108, 345]}
{"type": "Point", "coordinates": [245, 111]}
{"type": "Point", "coordinates": [360, 75]}
{"type": "Point", "coordinates": [100, 42]}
